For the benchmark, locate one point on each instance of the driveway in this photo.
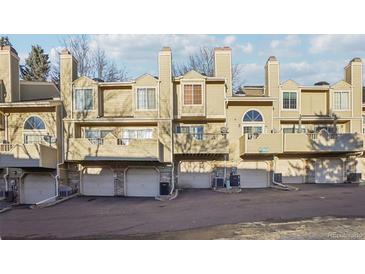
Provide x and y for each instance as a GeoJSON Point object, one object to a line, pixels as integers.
{"type": "Point", "coordinates": [120, 218]}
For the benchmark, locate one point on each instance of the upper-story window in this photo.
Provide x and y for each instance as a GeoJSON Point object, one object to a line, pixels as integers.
{"type": "Point", "coordinates": [83, 99]}
{"type": "Point", "coordinates": [341, 100]}
{"type": "Point", "coordinates": [146, 99]}
{"type": "Point", "coordinates": [289, 100]}
{"type": "Point", "coordinates": [197, 132]}
{"type": "Point", "coordinates": [193, 94]}
{"type": "Point", "coordinates": [34, 123]}
{"type": "Point", "coordinates": [35, 131]}
{"type": "Point", "coordinates": [253, 124]}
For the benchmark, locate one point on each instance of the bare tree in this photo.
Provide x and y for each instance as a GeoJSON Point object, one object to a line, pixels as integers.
{"type": "Point", "coordinates": [113, 73]}
{"type": "Point", "coordinates": [79, 47]}
{"type": "Point", "coordinates": [94, 63]}
{"type": "Point", "coordinates": [99, 62]}
{"type": "Point", "coordinates": [203, 62]}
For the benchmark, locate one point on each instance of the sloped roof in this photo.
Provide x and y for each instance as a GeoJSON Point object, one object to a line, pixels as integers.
{"type": "Point", "coordinates": [38, 90]}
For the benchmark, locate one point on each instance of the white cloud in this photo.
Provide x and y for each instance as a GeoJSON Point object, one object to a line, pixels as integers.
{"type": "Point", "coordinates": [139, 52]}
{"type": "Point", "coordinates": [229, 40]}
{"type": "Point", "coordinates": [247, 48]}
{"type": "Point", "coordinates": [288, 42]}
{"type": "Point", "coordinates": [286, 47]}
{"type": "Point", "coordinates": [337, 43]}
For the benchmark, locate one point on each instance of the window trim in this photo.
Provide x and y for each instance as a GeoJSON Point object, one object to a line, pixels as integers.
{"type": "Point", "coordinates": [255, 109]}
{"type": "Point", "coordinates": [282, 100]}
{"type": "Point", "coordinates": [136, 98]}
{"type": "Point", "coordinates": [348, 100]}
{"type": "Point", "coordinates": [74, 98]}
{"type": "Point", "coordinates": [202, 95]}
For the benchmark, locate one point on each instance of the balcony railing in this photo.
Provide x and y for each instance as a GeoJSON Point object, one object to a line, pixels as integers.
{"type": "Point", "coordinates": [199, 143]}
{"type": "Point", "coordinates": [277, 143]}
{"type": "Point", "coordinates": [28, 155]}
{"type": "Point", "coordinates": [113, 149]}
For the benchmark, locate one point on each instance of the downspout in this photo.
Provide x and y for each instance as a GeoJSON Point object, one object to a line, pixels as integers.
{"type": "Point", "coordinates": [6, 175]}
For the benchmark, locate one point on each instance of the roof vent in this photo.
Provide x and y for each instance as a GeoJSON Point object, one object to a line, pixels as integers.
{"type": "Point", "coordinates": [322, 83]}
{"type": "Point", "coordinates": [98, 80]}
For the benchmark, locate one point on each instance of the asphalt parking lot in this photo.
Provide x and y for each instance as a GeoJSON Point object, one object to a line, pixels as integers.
{"type": "Point", "coordinates": [129, 218]}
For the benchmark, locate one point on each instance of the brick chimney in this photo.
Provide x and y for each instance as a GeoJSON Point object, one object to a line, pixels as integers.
{"type": "Point", "coordinates": [9, 74]}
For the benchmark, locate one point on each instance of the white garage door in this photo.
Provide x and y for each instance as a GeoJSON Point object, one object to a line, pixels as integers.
{"type": "Point", "coordinates": [143, 182]}
{"type": "Point", "coordinates": [37, 188]}
{"type": "Point", "coordinates": [329, 171]}
{"type": "Point", "coordinates": [195, 175]}
{"type": "Point", "coordinates": [293, 171]}
{"type": "Point", "coordinates": [98, 182]}
{"type": "Point", "coordinates": [253, 175]}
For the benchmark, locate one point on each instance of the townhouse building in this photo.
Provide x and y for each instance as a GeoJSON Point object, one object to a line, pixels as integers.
{"type": "Point", "coordinates": [159, 133]}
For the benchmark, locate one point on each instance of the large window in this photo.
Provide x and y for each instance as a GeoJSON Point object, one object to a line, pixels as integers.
{"type": "Point", "coordinates": [83, 99]}
{"type": "Point", "coordinates": [96, 136]}
{"type": "Point", "coordinates": [146, 98]}
{"type": "Point", "coordinates": [197, 132]}
{"type": "Point", "coordinates": [131, 134]}
{"type": "Point", "coordinates": [193, 95]}
{"type": "Point", "coordinates": [253, 124]}
{"type": "Point", "coordinates": [289, 100]}
{"type": "Point", "coordinates": [341, 100]}
{"type": "Point", "coordinates": [34, 131]}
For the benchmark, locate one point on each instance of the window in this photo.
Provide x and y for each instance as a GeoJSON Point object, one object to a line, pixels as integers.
{"type": "Point", "coordinates": [34, 123]}
{"type": "Point", "coordinates": [96, 136]}
{"type": "Point", "coordinates": [341, 100]}
{"type": "Point", "coordinates": [197, 132]}
{"type": "Point", "coordinates": [83, 99]}
{"type": "Point", "coordinates": [130, 134]}
{"type": "Point", "coordinates": [35, 132]}
{"type": "Point", "coordinates": [252, 116]}
{"type": "Point", "coordinates": [289, 100]}
{"type": "Point", "coordinates": [293, 129]}
{"type": "Point", "coordinates": [146, 98]}
{"type": "Point", "coordinates": [193, 95]}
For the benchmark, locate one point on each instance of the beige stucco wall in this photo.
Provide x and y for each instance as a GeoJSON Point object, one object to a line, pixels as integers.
{"type": "Point", "coordinates": [118, 102]}
{"type": "Point", "coordinates": [234, 122]}
{"type": "Point", "coordinates": [314, 102]}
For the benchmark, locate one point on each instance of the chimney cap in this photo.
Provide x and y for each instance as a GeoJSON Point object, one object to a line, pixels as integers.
{"type": "Point", "coordinates": [9, 48]}
{"type": "Point", "coordinates": [65, 51]}
{"type": "Point", "coordinates": [223, 48]}
{"type": "Point", "coordinates": [272, 58]}
{"type": "Point", "coordinates": [356, 59]}
{"type": "Point", "coordinates": [166, 49]}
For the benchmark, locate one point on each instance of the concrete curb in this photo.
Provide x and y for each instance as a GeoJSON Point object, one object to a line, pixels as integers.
{"type": "Point", "coordinates": [55, 202]}
{"type": "Point", "coordinates": [5, 209]}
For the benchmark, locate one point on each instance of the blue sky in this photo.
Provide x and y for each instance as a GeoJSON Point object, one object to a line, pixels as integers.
{"type": "Point", "coordinates": [303, 58]}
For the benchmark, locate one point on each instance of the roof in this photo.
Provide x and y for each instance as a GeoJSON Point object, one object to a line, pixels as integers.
{"type": "Point", "coordinates": [38, 90]}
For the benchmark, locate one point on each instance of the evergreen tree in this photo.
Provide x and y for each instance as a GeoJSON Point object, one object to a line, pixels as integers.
{"type": "Point", "coordinates": [37, 65]}
{"type": "Point", "coordinates": [4, 41]}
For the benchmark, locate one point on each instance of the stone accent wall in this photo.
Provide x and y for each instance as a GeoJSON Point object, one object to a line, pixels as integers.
{"type": "Point", "coordinates": [119, 182]}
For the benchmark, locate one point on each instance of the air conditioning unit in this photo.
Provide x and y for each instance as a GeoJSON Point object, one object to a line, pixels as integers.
{"type": "Point", "coordinates": [218, 182]}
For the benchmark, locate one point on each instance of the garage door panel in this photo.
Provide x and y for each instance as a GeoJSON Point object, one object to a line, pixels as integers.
{"type": "Point", "coordinates": [37, 188]}
{"type": "Point", "coordinates": [329, 171]}
{"type": "Point", "coordinates": [98, 182]}
{"type": "Point", "coordinates": [143, 182]}
{"type": "Point", "coordinates": [193, 174]}
{"type": "Point", "coordinates": [253, 178]}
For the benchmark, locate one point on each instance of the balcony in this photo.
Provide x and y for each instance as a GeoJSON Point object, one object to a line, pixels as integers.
{"type": "Point", "coordinates": [271, 143]}
{"type": "Point", "coordinates": [28, 155]}
{"type": "Point", "coordinates": [322, 142]}
{"type": "Point", "coordinates": [206, 144]}
{"type": "Point", "coordinates": [113, 149]}
{"type": "Point", "coordinates": [278, 143]}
